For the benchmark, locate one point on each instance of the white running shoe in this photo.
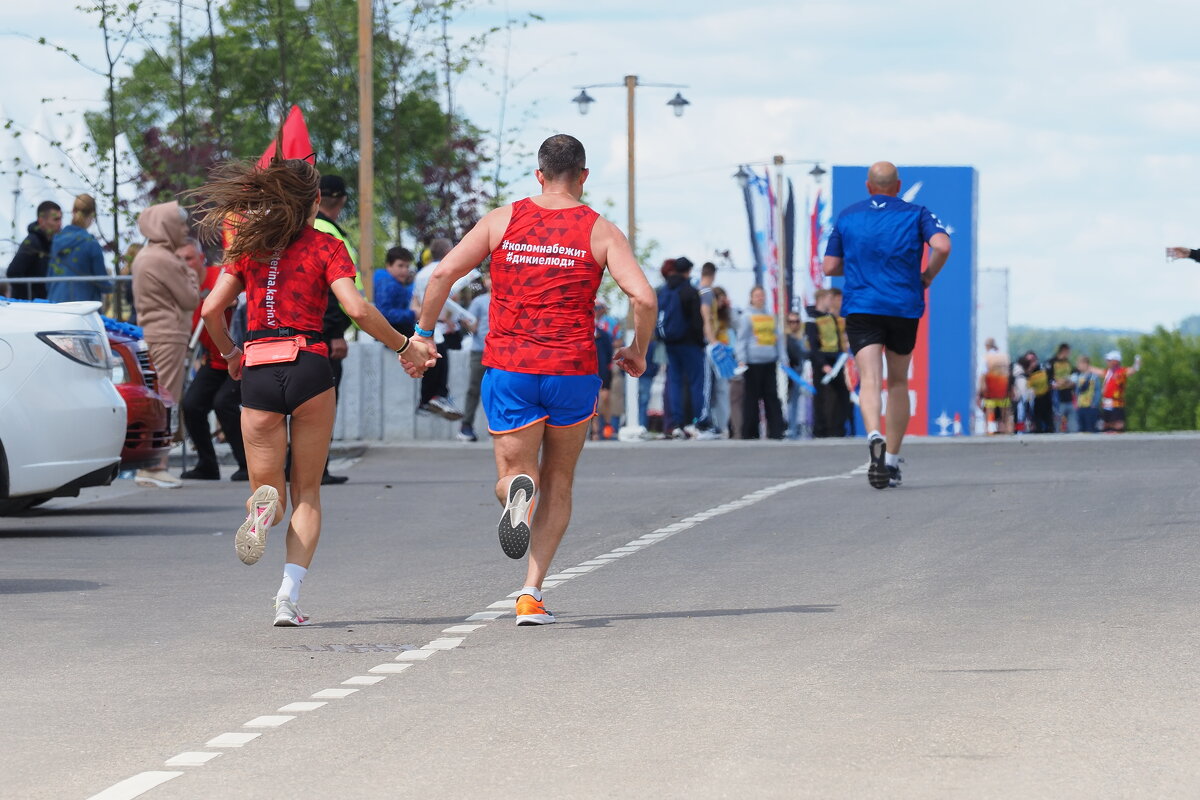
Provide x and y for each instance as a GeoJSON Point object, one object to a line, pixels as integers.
{"type": "Point", "coordinates": [288, 614]}
{"type": "Point", "coordinates": [513, 528]}
{"type": "Point", "coordinates": [156, 479]}
{"type": "Point", "coordinates": [251, 539]}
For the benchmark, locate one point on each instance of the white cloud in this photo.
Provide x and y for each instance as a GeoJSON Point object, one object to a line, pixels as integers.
{"type": "Point", "coordinates": [1080, 117]}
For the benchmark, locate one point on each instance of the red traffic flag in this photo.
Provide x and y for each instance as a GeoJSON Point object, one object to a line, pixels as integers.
{"type": "Point", "coordinates": [296, 143]}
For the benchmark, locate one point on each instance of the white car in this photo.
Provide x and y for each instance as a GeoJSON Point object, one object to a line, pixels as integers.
{"type": "Point", "coordinates": [62, 422]}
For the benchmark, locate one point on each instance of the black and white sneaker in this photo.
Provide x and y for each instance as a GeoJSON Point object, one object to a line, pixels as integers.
{"type": "Point", "coordinates": [877, 471]}
{"type": "Point", "coordinates": [443, 407]}
{"type": "Point", "coordinates": [514, 522]}
{"type": "Point", "coordinates": [894, 475]}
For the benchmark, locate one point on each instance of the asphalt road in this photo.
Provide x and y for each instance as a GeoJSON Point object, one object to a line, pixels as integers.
{"type": "Point", "coordinates": [1018, 620]}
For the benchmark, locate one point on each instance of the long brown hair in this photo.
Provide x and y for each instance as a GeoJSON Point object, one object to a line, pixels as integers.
{"type": "Point", "coordinates": [266, 207]}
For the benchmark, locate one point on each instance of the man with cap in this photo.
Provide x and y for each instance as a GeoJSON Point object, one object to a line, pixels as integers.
{"type": "Point", "coordinates": [685, 350]}
{"type": "Point", "coordinates": [335, 322]}
{"type": "Point", "coordinates": [1112, 390]}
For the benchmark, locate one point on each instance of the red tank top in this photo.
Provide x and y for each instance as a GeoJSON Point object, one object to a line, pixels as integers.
{"type": "Point", "coordinates": [544, 281]}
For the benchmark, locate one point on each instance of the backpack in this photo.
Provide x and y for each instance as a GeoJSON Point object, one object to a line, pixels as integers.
{"type": "Point", "coordinates": [672, 325]}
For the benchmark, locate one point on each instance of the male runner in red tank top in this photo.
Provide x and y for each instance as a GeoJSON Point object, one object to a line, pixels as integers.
{"type": "Point", "coordinates": [548, 254]}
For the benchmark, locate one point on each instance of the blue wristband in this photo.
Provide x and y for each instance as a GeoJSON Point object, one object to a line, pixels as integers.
{"type": "Point", "coordinates": [424, 334]}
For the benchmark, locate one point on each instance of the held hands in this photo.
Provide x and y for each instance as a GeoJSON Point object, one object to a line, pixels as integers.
{"type": "Point", "coordinates": [1178, 252]}
{"type": "Point", "coordinates": [630, 361]}
{"type": "Point", "coordinates": [926, 279]}
{"type": "Point", "coordinates": [234, 362]}
{"type": "Point", "coordinates": [420, 356]}
{"type": "Point", "coordinates": [338, 349]}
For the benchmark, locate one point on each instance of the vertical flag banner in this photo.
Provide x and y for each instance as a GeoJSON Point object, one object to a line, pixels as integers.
{"type": "Point", "coordinates": [818, 236]}
{"type": "Point", "coordinates": [942, 378]}
{"type": "Point", "coordinates": [789, 249]}
{"type": "Point", "coordinates": [760, 208]}
{"type": "Point", "coordinates": [749, 192]}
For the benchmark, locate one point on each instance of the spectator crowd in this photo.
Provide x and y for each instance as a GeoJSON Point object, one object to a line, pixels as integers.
{"type": "Point", "coordinates": [717, 369]}
{"type": "Point", "coordinates": [1054, 395]}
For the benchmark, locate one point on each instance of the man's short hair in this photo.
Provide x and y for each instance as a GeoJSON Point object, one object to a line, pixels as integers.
{"type": "Point", "coordinates": [398, 254]}
{"type": "Point", "coordinates": [47, 206]}
{"type": "Point", "coordinates": [192, 241]}
{"type": "Point", "coordinates": [561, 156]}
{"type": "Point", "coordinates": [682, 265]}
{"type": "Point", "coordinates": [438, 248]}
{"type": "Point", "coordinates": [834, 292]}
{"type": "Point", "coordinates": [708, 269]}
{"type": "Point", "coordinates": [333, 187]}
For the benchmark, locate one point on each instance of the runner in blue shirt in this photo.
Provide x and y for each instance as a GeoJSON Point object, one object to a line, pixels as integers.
{"type": "Point", "coordinates": [877, 245]}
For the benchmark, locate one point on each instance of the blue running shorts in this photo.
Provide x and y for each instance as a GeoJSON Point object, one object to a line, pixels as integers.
{"type": "Point", "coordinates": [516, 400]}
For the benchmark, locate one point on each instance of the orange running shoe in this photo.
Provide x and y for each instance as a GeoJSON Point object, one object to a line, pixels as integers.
{"type": "Point", "coordinates": [531, 611]}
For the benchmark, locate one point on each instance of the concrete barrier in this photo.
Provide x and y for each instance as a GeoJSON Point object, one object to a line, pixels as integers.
{"type": "Point", "coordinates": [378, 400]}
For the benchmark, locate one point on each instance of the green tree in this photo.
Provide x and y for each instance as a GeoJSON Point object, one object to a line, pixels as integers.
{"type": "Point", "coordinates": [1164, 395]}
{"type": "Point", "coordinates": [220, 87]}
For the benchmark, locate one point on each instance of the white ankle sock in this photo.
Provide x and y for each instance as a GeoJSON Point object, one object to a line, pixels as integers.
{"type": "Point", "coordinates": [874, 435]}
{"type": "Point", "coordinates": [293, 576]}
{"type": "Point", "coordinates": [533, 590]}
{"type": "Point", "coordinates": [892, 459]}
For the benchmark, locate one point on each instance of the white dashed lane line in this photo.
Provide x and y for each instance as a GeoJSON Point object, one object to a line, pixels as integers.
{"type": "Point", "coordinates": [145, 781]}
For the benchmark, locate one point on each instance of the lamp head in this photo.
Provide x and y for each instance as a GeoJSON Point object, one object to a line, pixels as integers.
{"type": "Point", "coordinates": [583, 100]}
{"type": "Point", "coordinates": [677, 104]}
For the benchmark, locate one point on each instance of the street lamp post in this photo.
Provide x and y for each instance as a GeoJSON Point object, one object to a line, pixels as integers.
{"type": "Point", "coordinates": [677, 103]}
{"type": "Point", "coordinates": [366, 143]}
{"type": "Point", "coordinates": [366, 137]}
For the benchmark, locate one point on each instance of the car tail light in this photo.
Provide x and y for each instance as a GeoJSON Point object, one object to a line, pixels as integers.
{"type": "Point", "coordinates": [87, 347]}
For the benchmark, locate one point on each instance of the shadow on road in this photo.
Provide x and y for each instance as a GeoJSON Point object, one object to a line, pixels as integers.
{"type": "Point", "coordinates": [148, 519]}
{"type": "Point", "coordinates": [40, 585]}
{"type": "Point", "coordinates": [604, 622]}
{"type": "Point", "coordinates": [386, 621]}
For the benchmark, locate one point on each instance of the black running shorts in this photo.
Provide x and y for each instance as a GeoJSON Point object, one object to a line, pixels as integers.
{"type": "Point", "coordinates": [282, 388]}
{"type": "Point", "coordinates": [897, 334]}
{"type": "Point", "coordinates": [1113, 416]}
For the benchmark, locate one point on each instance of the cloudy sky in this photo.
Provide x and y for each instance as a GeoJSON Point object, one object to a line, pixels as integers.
{"type": "Point", "coordinates": [1081, 118]}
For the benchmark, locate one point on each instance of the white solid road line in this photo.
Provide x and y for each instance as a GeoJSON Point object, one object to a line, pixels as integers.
{"type": "Point", "coordinates": [145, 781]}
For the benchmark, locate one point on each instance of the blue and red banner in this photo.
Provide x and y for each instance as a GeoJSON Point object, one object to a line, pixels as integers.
{"type": "Point", "coordinates": [942, 377]}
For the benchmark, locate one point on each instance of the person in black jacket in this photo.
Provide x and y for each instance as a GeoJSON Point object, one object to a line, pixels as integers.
{"type": "Point", "coordinates": [33, 256]}
{"type": "Point", "coordinates": [685, 355]}
{"type": "Point", "coordinates": [335, 322]}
